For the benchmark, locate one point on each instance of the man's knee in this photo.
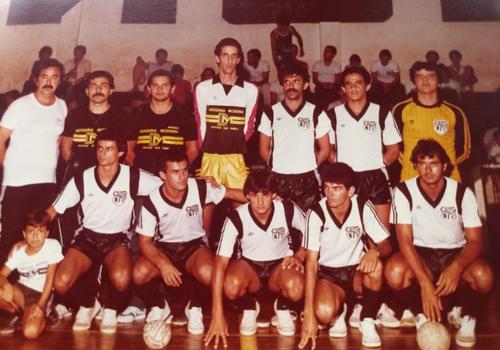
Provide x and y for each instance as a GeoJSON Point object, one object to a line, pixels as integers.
{"type": "Point", "coordinates": [325, 312]}
{"type": "Point", "coordinates": [395, 273]}
{"type": "Point", "coordinates": [294, 288]}
{"type": "Point", "coordinates": [120, 279]}
{"type": "Point", "coordinates": [482, 276]}
{"type": "Point", "coordinates": [140, 274]}
{"type": "Point", "coordinates": [204, 274]}
{"type": "Point", "coordinates": [31, 331]}
{"type": "Point", "coordinates": [63, 280]}
{"type": "Point", "coordinates": [233, 287]}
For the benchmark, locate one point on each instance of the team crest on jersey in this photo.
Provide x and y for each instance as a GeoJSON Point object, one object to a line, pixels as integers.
{"type": "Point", "coordinates": [90, 138]}
{"type": "Point", "coordinates": [278, 233]}
{"type": "Point", "coordinates": [192, 210]}
{"type": "Point", "coordinates": [119, 197]}
{"type": "Point", "coordinates": [448, 213]}
{"type": "Point", "coordinates": [353, 232]}
{"type": "Point", "coordinates": [440, 126]}
{"type": "Point", "coordinates": [369, 126]}
{"type": "Point", "coordinates": [304, 123]}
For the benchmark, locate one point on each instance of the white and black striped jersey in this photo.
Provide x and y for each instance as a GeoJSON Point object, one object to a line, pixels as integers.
{"type": "Point", "coordinates": [171, 222]}
{"type": "Point", "coordinates": [262, 242]}
{"type": "Point", "coordinates": [439, 223]}
{"type": "Point", "coordinates": [360, 139]}
{"type": "Point", "coordinates": [106, 209]}
{"type": "Point", "coordinates": [342, 244]}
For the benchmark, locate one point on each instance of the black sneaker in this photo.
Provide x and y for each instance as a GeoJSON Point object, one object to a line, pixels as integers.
{"type": "Point", "coordinates": [12, 323]}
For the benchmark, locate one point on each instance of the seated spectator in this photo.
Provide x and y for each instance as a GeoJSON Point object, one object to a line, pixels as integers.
{"type": "Point", "coordinates": [354, 61]}
{"type": "Point", "coordinates": [43, 54]}
{"type": "Point", "coordinates": [464, 75]}
{"type": "Point", "coordinates": [386, 82]}
{"type": "Point", "coordinates": [78, 67]}
{"type": "Point", "coordinates": [161, 62]}
{"type": "Point", "coordinates": [281, 41]}
{"type": "Point", "coordinates": [139, 74]}
{"type": "Point", "coordinates": [489, 140]}
{"type": "Point", "coordinates": [258, 71]}
{"type": "Point", "coordinates": [432, 56]}
{"type": "Point", "coordinates": [326, 74]}
{"type": "Point", "coordinates": [206, 74]}
{"type": "Point", "coordinates": [182, 94]}
{"type": "Point", "coordinates": [449, 89]}
{"type": "Point", "coordinates": [295, 60]}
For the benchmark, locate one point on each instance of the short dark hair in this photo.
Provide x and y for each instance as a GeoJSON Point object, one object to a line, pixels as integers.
{"type": "Point", "coordinates": [102, 74]}
{"type": "Point", "coordinates": [159, 51]}
{"type": "Point", "coordinates": [356, 70]}
{"type": "Point", "coordinates": [228, 42]}
{"type": "Point", "coordinates": [355, 58]}
{"type": "Point", "coordinates": [37, 218]}
{"type": "Point", "coordinates": [177, 69]}
{"type": "Point", "coordinates": [260, 180]}
{"type": "Point", "coordinates": [44, 64]}
{"type": "Point", "coordinates": [431, 52]}
{"type": "Point", "coordinates": [161, 73]}
{"type": "Point", "coordinates": [45, 49]}
{"type": "Point", "coordinates": [430, 148]}
{"type": "Point", "coordinates": [111, 135]}
{"type": "Point", "coordinates": [429, 66]}
{"type": "Point", "coordinates": [291, 69]}
{"type": "Point", "coordinates": [172, 155]}
{"type": "Point", "coordinates": [339, 173]}
{"type": "Point", "coordinates": [81, 48]}
{"type": "Point", "coordinates": [455, 52]}
{"type": "Point", "coordinates": [332, 48]}
{"type": "Point", "coordinates": [385, 52]}
{"type": "Point", "coordinates": [255, 52]}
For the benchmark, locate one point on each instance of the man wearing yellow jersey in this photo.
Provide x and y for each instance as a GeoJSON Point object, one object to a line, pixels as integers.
{"type": "Point", "coordinates": [427, 116]}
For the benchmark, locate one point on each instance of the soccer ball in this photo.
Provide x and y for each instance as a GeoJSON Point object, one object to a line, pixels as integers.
{"type": "Point", "coordinates": [433, 336]}
{"type": "Point", "coordinates": [157, 334]}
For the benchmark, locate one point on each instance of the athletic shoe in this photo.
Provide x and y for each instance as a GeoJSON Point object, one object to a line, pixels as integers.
{"type": "Point", "coordinates": [386, 318]}
{"type": "Point", "coordinates": [420, 320]}
{"type": "Point", "coordinates": [339, 327]}
{"type": "Point", "coordinates": [355, 318]}
{"type": "Point", "coordinates": [370, 337]}
{"type": "Point", "coordinates": [195, 319]}
{"type": "Point", "coordinates": [248, 324]}
{"type": "Point", "coordinates": [12, 323]}
{"type": "Point", "coordinates": [284, 320]}
{"type": "Point", "coordinates": [274, 320]}
{"type": "Point", "coordinates": [62, 311]}
{"type": "Point", "coordinates": [454, 316]}
{"type": "Point", "coordinates": [407, 319]}
{"type": "Point", "coordinates": [84, 317]}
{"type": "Point", "coordinates": [109, 322]}
{"type": "Point", "coordinates": [158, 314]}
{"type": "Point", "coordinates": [466, 335]}
{"type": "Point", "coordinates": [130, 314]}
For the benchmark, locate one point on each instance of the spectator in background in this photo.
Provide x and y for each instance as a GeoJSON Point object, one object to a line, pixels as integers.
{"type": "Point", "coordinates": [326, 74]}
{"type": "Point", "coordinates": [77, 68]}
{"type": "Point", "coordinates": [432, 56]}
{"type": "Point", "coordinates": [464, 75]}
{"type": "Point", "coordinates": [206, 74]}
{"type": "Point", "coordinates": [355, 61]}
{"type": "Point", "coordinates": [182, 94]}
{"type": "Point", "coordinates": [139, 74]}
{"type": "Point", "coordinates": [258, 71]}
{"type": "Point", "coordinates": [162, 62]}
{"type": "Point", "coordinates": [281, 41]}
{"type": "Point", "coordinates": [143, 70]}
{"type": "Point", "coordinates": [386, 81]}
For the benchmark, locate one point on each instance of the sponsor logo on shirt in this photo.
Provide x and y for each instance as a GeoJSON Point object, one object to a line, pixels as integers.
{"type": "Point", "coordinates": [369, 126]}
{"type": "Point", "coordinates": [304, 123]}
{"type": "Point", "coordinates": [440, 126]}
{"type": "Point", "coordinates": [34, 271]}
{"type": "Point", "coordinates": [119, 197]}
{"type": "Point", "coordinates": [448, 213]}
{"type": "Point", "coordinates": [225, 117]}
{"type": "Point", "coordinates": [278, 233]}
{"type": "Point", "coordinates": [192, 210]}
{"type": "Point", "coordinates": [353, 232]}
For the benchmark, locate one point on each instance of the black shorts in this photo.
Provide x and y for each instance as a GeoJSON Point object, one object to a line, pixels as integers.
{"type": "Point", "coordinates": [341, 276]}
{"type": "Point", "coordinates": [437, 259]}
{"type": "Point", "coordinates": [263, 269]}
{"type": "Point", "coordinates": [303, 189]}
{"type": "Point", "coordinates": [31, 296]}
{"type": "Point", "coordinates": [374, 185]}
{"type": "Point", "coordinates": [97, 245]}
{"type": "Point", "coordinates": [180, 252]}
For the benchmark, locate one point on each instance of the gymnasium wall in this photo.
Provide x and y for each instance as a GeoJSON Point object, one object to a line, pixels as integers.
{"type": "Point", "coordinates": [415, 27]}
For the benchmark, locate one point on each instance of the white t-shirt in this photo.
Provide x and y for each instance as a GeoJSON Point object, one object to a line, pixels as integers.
{"type": "Point", "coordinates": [33, 268]}
{"type": "Point", "coordinates": [259, 242]}
{"type": "Point", "coordinates": [106, 209]}
{"type": "Point", "coordinates": [31, 157]}
{"type": "Point", "coordinates": [436, 224]}
{"type": "Point", "coordinates": [342, 244]}
{"type": "Point", "coordinates": [387, 73]}
{"type": "Point", "coordinates": [326, 74]}
{"type": "Point", "coordinates": [360, 139]}
{"type": "Point", "coordinates": [257, 74]}
{"type": "Point", "coordinates": [171, 222]}
{"type": "Point", "coordinates": [293, 136]}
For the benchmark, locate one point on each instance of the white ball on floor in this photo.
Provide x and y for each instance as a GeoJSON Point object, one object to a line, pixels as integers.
{"type": "Point", "coordinates": [433, 336]}
{"type": "Point", "coordinates": [157, 334]}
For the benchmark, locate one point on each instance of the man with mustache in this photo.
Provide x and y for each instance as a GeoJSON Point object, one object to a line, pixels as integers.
{"type": "Point", "coordinates": [289, 133]}
{"type": "Point", "coordinates": [31, 125]}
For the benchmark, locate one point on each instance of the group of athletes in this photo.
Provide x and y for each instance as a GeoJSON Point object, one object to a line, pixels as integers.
{"type": "Point", "coordinates": [313, 227]}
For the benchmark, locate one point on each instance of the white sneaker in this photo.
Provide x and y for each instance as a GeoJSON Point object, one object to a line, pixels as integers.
{"type": "Point", "coordinates": [84, 317]}
{"type": "Point", "coordinates": [62, 311]}
{"type": "Point", "coordinates": [370, 337]}
{"type": "Point", "coordinates": [285, 324]}
{"type": "Point", "coordinates": [248, 324]}
{"type": "Point", "coordinates": [195, 319]}
{"type": "Point", "coordinates": [274, 319]}
{"type": "Point", "coordinates": [354, 320]}
{"type": "Point", "coordinates": [420, 320]}
{"type": "Point", "coordinates": [339, 327]}
{"type": "Point", "coordinates": [407, 319]}
{"type": "Point", "coordinates": [466, 335]}
{"type": "Point", "coordinates": [109, 322]}
{"type": "Point", "coordinates": [454, 316]}
{"type": "Point", "coordinates": [386, 318]}
{"type": "Point", "coordinates": [158, 314]}
{"type": "Point", "coordinates": [130, 314]}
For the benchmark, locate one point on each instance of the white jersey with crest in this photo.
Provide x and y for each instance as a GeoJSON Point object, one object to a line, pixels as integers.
{"type": "Point", "coordinates": [170, 222]}
{"type": "Point", "coordinates": [261, 242]}
{"type": "Point", "coordinates": [342, 244]}
{"type": "Point", "coordinates": [435, 224]}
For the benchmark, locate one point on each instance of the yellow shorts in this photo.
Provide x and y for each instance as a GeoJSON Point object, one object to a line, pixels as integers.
{"type": "Point", "coordinates": [228, 169]}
